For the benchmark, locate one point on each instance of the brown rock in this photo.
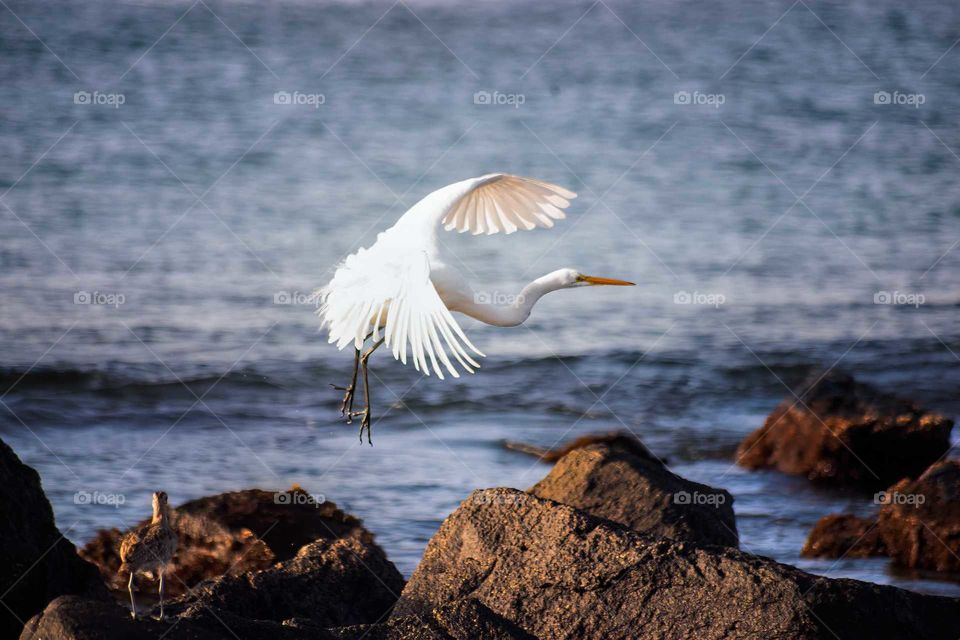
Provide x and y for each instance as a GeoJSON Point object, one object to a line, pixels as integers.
{"type": "Point", "coordinates": [844, 536]}
{"type": "Point", "coordinates": [920, 520]}
{"type": "Point", "coordinates": [560, 573]}
{"type": "Point", "coordinates": [464, 619]}
{"type": "Point", "coordinates": [330, 582]}
{"type": "Point", "coordinates": [632, 487]}
{"type": "Point", "coordinates": [614, 439]}
{"type": "Point", "coordinates": [37, 563]}
{"type": "Point", "coordinates": [231, 533]}
{"type": "Point", "coordinates": [75, 618]}
{"type": "Point", "coordinates": [847, 433]}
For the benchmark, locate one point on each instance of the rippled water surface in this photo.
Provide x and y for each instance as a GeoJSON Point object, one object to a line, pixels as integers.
{"type": "Point", "coordinates": [783, 192]}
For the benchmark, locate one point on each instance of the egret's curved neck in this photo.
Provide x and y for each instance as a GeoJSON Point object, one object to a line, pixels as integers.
{"type": "Point", "coordinates": [488, 310]}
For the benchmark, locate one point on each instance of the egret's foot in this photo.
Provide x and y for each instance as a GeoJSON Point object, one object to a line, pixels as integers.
{"type": "Point", "coordinates": [364, 424]}
{"type": "Point", "coordinates": [133, 614]}
{"type": "Point", "coordinates": [346, 407]}
{"type": "Point", "coordinates": [161, 618]}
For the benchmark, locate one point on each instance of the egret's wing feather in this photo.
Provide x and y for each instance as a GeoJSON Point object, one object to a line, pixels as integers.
{"type": "Point", "coordinates": [390, 286]}
{"type": "Point", "coordinates": [502, 202]}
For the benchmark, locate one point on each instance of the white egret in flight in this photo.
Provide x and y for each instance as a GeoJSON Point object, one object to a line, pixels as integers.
{"type": "Point", "coordinates": [403, 286]}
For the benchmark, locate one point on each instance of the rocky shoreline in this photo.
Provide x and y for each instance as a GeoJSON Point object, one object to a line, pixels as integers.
{"type": "Point", "coordinates": [609, 544]}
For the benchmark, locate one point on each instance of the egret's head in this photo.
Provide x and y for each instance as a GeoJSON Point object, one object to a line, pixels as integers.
{"type": "Point", "coordinates": [569, 278]}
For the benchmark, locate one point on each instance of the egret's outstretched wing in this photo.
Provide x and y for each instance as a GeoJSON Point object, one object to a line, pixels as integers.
{"type": "Point", "coordinates": [389, 286]}
{"type": "Point", "coordinates": [502, 202]}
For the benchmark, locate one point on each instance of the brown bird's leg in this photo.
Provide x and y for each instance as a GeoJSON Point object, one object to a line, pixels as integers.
{"type": "Point", "coordinates": [365, 423]}
{"type": "Point", "coordinates": [346, 407]}
{"type": "Point", "coordinates": [161, 595]}
{"type": "Point", "coordinates": [133, 602]}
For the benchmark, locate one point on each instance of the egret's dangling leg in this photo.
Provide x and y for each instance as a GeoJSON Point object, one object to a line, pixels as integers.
{"type": "Point", "coordinates": [346, 407]}
{"type": "Point", "coordinates": [365, 423]}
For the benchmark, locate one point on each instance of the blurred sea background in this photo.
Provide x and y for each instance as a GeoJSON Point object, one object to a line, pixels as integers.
{"type": "Point", "coordinates": [177, 177]}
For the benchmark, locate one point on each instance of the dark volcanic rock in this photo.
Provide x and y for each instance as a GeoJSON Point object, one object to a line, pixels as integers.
{"type": "Point", "coordinates": [231, 533]}
{"type": "Point", "coordinates": [847, 432]}
{"type": "Point", "coordinates": [920, 520]}
{"type": "Point", "coordinates": [634, 488]}
{"type": "Point", "coordinates": [557, 572]}
{"type": "Point", "coordinates": [331, 583]}
{"type": "Point", "coordinates": [844, 536]}
{"type": "Point", "coordinates": [620, 440]}
{"type": "Point", "coordinates": [37, 563]}
{"type": "Point", "coordinates": [74, 618]}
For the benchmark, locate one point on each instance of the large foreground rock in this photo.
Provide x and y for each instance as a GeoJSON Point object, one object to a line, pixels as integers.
{"type": "Point", "coordinates": [633, 487]}
{"type": "Point", "coordinates": [920, 520]}
{"type": "Point", "coordinates": [232, 533]}
{"type": "Point", "coordinates": [330, 582]}
{"type": "Point", "coordinates": [846, 432]}
{"type": "Point", "coordinates": [465, 619]}
{"type": "Point", "coordinates": [37, 563]}
{"type": "Point", "coordinates": [557, 572]}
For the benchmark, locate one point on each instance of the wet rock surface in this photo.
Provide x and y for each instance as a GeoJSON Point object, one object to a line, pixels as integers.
{"type": "Point", "coordinates": [632, 487]}
{"type": "Point", "coordinates": [557, 572]}
{"type": "Point", "coordinates": [844, 432]}
{"type": "Point", "coordinates": [920, 520]}
{"type": "Point", "coordinates": [231, 533]}
{"type": "Point", "coordinates": [37, 563]}
{"type": "Point", "coordinates": [918, 525]}
{"type": "Point", "coordinates": [844, 536]}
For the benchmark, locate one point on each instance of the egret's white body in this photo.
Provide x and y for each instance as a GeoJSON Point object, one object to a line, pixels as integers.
{"type": "Point", "coordinates": [401, 285]}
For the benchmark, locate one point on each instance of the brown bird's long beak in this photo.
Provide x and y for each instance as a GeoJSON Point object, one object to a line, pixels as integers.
{"type": "Point", "coordinates": [609, 281]}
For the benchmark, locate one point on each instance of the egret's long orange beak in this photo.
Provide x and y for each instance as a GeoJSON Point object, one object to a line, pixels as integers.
{"type": "Point", "coordinates": [611, 281]}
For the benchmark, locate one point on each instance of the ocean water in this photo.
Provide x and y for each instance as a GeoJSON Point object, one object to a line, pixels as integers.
{"type": "Point", "coordinates": [177, 176]}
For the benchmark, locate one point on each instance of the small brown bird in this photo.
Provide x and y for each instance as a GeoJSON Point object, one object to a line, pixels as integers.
{"type": "Point", "coordinates": [151, 548]}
